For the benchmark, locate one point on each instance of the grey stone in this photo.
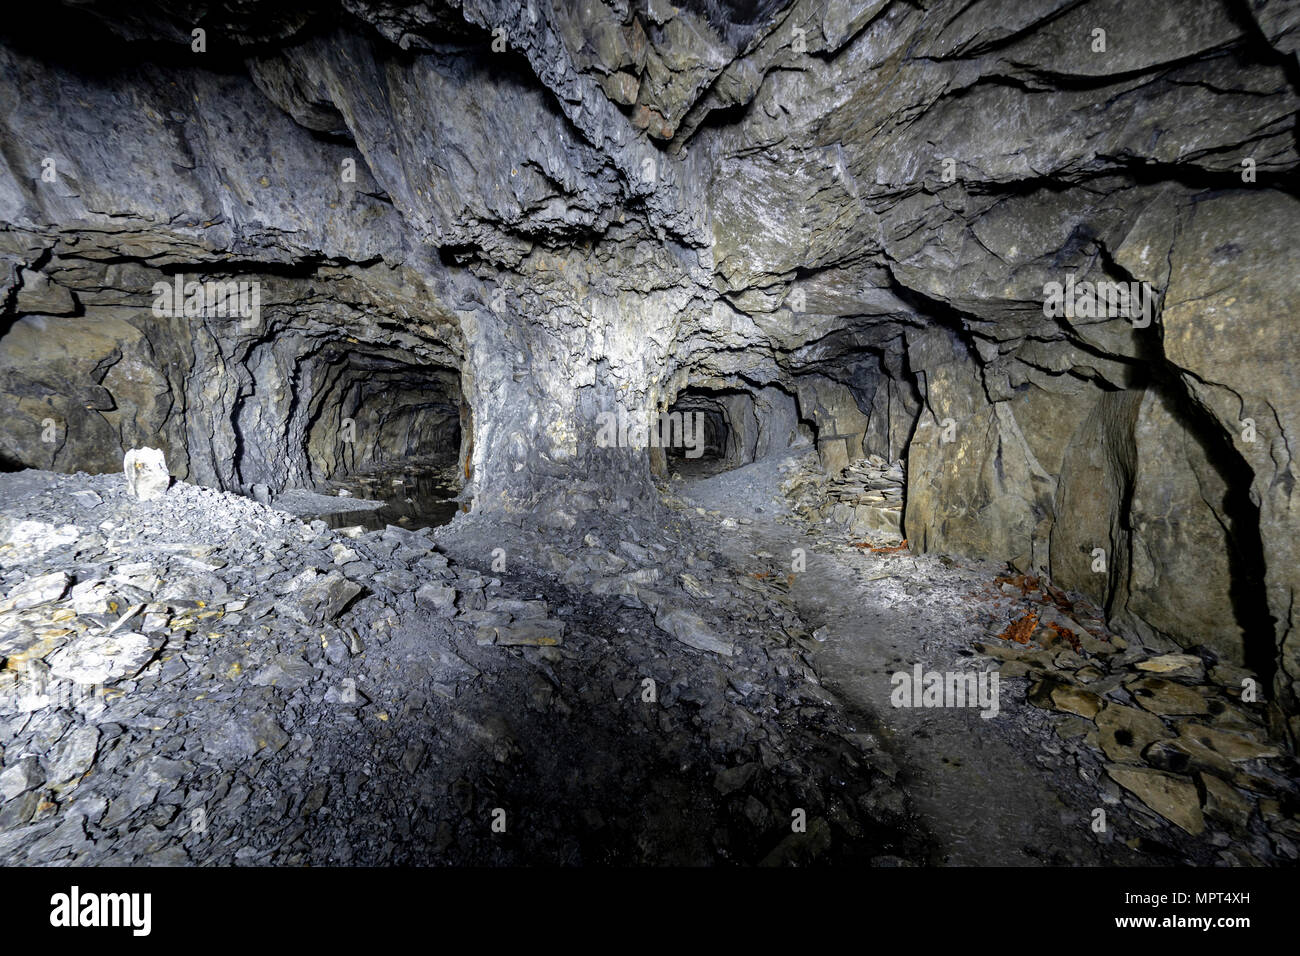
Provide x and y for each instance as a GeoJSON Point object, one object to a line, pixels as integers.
{"type": "Point", "coordinates": [438, 597]}
{"type": "Point", "coordinates": [19, 777]}
{"type": "Point", "coordinates": [42, 589]}
{"type": "Point", "coordinates": [689, 628]}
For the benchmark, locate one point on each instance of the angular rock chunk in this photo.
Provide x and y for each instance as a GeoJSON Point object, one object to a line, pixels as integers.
{"type": "Point", "coordinates": [1185, 755]}
{"type": "Point", "coordinates": [438, 597]}
{"type": "Point", "coordinates": [146, 472]}
{"type": "Point", "coordinates": [317, 599]}
{"type": "Point", "coordinates": [690, 629]}
{"type": "Point", "coordinates": [73, 757]}
{"type": "Point", "coordinates": [1174, 798]}
{"type": "Point", "coordinates": [20, 777]}
{"type": "Point", "coordinates": [36, 591]}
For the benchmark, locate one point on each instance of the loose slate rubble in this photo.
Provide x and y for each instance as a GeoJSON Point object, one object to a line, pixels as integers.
{"type": "Point", "coordinates": [289, 708]}
{"type": "Point", "coordinates": [202, 679]}
{"type": "Point", "coordinates": [1183, 733]}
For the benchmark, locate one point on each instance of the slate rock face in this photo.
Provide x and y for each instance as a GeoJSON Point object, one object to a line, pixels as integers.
{"type": "Point", "coordinates": [471, 230]}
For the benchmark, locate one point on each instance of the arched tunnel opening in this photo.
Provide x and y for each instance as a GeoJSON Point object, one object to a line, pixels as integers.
{"type": "Point", "coordinates": [729, 426]}
{"type": "Point", "coordinates": [851, 413]}
{"type": "Point", "coordinates": [715, 427]}
{"type": "Point", "coordinates": [384, 427]}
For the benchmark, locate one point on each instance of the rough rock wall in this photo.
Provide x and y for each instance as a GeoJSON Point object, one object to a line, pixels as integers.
{"type": "Point", "coordinates": [576, 208]}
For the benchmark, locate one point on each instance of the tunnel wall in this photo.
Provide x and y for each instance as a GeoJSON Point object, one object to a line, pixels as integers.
{"type": "Point", "coordinates": [230, 404]}
{"type": "Point", "coordinates": [577, 234]}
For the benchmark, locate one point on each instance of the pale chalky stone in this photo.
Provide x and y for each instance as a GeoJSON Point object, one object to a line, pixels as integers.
{"type": "Point", "coordinates": [146, 473]}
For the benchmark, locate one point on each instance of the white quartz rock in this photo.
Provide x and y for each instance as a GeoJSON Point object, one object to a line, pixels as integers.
{"type": "Point", "coordinates": [146, 471]}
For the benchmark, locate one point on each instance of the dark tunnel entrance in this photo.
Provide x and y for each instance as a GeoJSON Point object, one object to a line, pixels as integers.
{"type": "Point", "coordinates": [387, 427]}
{"type": "Point", "coordinates": [731, 427]}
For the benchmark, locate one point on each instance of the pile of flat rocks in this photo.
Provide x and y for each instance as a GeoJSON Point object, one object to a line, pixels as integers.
{"type": "Point", "coordinates": [865, 500]}
{"type": "Point", "coordinates": [1172, 737]}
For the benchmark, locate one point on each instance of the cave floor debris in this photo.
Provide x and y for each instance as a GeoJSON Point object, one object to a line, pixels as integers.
{"type": "Point", "coordinates": [1025, 785]}
{"type": "Point", "coordinates": [201, 679]}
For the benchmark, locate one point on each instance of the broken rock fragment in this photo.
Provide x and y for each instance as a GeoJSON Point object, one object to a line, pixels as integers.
{"type": "Point", "coordinates": [36, 591]}
{"type": "Point", "coordinates": [1173, 797]}
{"type": "Point", "coordinates": [96, 658]}
{"type": "Point", "coordinates": [437, 597]}
{"type": "Point", "coordinates": [690, 629]}
{"type": "Point", "coordinates": [146, 471]}
{"type": "Point", "coordinates": [316, 599]}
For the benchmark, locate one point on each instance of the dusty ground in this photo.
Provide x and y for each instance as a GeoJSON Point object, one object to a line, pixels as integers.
{"type": "Point", "coordinates": [1012, 789]}
{"type": "Point", "coordinates": [205, 680]}
{"type": "Point", "coordinates": [201, 679]}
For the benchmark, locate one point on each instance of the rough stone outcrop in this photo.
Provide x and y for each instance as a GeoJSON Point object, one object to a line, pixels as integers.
{"type": "Point", "coordinates": [475, 225]}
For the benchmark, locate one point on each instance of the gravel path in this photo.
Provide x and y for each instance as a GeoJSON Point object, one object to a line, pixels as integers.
{"type": "Point", "coordinates": [1006, 790]}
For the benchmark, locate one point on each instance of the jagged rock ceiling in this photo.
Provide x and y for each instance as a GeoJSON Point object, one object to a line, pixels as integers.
{"type": "Point", "coordinates": [584, 206]}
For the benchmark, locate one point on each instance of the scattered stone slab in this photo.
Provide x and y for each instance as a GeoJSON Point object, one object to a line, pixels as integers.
{"type": "Point", "coordinates": [1174, 665]}
{"type": "Point", "coordinates": [1235, 747]}
{"type": "Point", "coordinates": [1166, 697]}
{"type": "Point", "coordinates": [1125, 732]}
{"type": "Point", "coordinates": [730, 780]}
{"type": "Point", "coordinates": [40, 536]}
{"type": "Point", "coordinates": [691, 630]}
{"type": "Point", "coordinates": [285, 671]}
{"type": "Point", "coordinates": [801, 849]}
{"type": "Point", "coordinates": [1056, 694]}
{"type": "Point", "coordinates": [1185, 754]}
{"type": "Point", "coordinates": [36, 591]}
{"type": "Point", "coordinates": [519, 610]}
{"type": "Point", "coordinates": [97, 658]}
{"type": "Point", "coordinates": [694, 586]}
{"type": "Point", "coordinates": [538, 633]}
{"type": "Point", "coordinates": [1173, 797]}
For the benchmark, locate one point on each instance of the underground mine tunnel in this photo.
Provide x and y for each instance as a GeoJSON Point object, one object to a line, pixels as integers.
{"type": "Point", "coordinates": [792, 432]}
